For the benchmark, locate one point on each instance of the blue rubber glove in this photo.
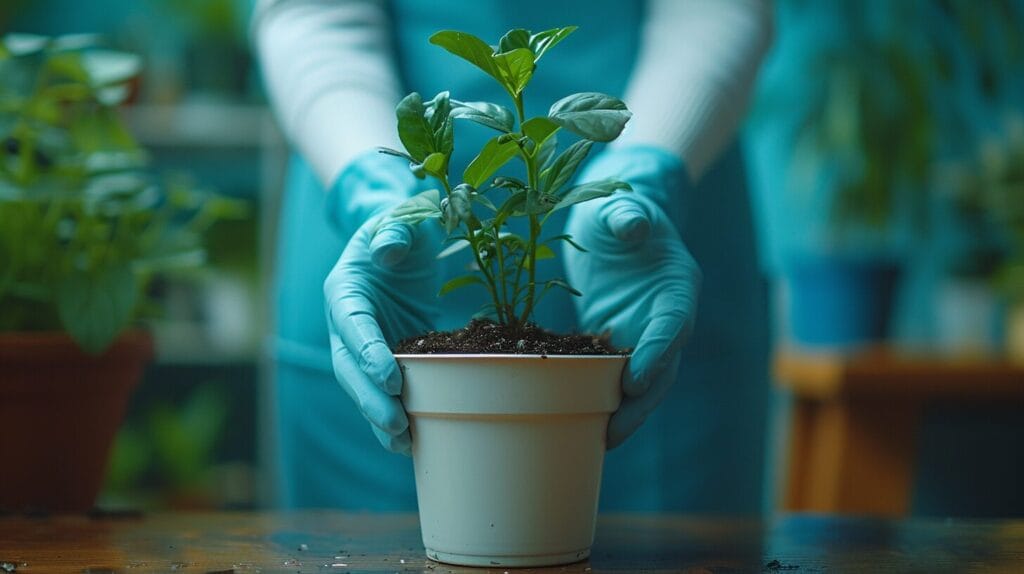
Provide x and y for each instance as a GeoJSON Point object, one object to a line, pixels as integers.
{"type": "Point", "coordinates": [381, 290]}
{"type": "Point", "coordinates": [638, 280]}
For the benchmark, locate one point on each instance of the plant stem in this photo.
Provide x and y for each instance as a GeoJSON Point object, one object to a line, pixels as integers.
{"type": "Point", "coordinates": [471, 235]}
{"type": "Point", "coordinates": [509, 309]}
{"type": "Point", "coordinates": [531, 253]}
{"type": "Point", "coordinates": [495, 295]}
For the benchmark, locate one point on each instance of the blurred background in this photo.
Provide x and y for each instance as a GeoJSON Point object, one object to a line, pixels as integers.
{"type": "Point", "coordinates": [886, 146]}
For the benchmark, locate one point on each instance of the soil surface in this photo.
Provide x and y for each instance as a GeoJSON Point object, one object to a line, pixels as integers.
{"type": "Point", "coordinates": [489, 338]}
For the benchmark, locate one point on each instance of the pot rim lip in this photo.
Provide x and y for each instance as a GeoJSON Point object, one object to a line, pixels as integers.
{"type": "Point", "coordinates": [454, 356]}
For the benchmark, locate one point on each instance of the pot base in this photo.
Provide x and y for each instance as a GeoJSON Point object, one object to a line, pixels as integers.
{"type": "Point", "coordinates": [509, 561]}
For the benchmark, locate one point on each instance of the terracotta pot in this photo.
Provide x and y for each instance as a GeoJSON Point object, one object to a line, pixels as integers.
{"type": "Point", "coordinates": [60, 409]}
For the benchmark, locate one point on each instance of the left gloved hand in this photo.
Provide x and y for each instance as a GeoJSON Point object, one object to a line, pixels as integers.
{"type": "Point", "coordinates": [639, 281]}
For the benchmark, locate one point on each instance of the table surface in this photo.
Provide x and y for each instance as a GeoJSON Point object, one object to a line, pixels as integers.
{"type": "Point", "coordinates": [337, 542]}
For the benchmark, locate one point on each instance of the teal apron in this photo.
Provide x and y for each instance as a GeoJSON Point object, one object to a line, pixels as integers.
{"type": "Point", "coordinates": [702, 450]}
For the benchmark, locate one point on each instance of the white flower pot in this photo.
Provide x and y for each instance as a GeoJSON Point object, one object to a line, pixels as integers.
{"type": "Point", "coordinates": [968, 318]}
{"type": "Point", "coordinates": [508, 452]}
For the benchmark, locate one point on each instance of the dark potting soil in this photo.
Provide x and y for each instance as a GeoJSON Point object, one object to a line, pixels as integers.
{"type": "Point", "coordinates": [482, 337]}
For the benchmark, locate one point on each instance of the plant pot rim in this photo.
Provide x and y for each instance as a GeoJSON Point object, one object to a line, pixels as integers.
{"type": "Point", "coordinates": [477, 356]}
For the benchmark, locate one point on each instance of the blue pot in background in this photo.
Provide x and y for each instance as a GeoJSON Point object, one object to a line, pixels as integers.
{"type": "Point", "coordinates": [840, 301]}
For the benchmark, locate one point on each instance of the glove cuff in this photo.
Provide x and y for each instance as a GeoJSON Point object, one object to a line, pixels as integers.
{"type": "Point", "coordinates": [371, 183]}
{"type": "Point", "coordinates": [654, 172]}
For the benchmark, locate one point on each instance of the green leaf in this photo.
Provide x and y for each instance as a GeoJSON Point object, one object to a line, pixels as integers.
{"type": "Point", "coordinates": [593, 190]}
{"type": "Point", "coordinates": [449, 218]}
{"type": "Point", "coordinates": [469, 48]}
{"type": "Point", "coordinates": [435, 164]}
{"type": "Point", "coordinates": [543, 252]}
{"type": "Point", "coordinates": [438, 113]}
{"type": "Point", "coordinates": [564, 167]}
{"type": "Point", "coordinates": [425, 205]}
{"type": "Point", "coordinates": [68, 66]}
{"type": "Point", "coordinates": [568, 239]}
{"type": "Point", "coordinates": [561, 283]}
{"type": "Point", "coordinates": [485, 113]}
{"type": "Point", "coordinates": [461, 201]}
{"type": "Point", "coordinates": [396, 153]}
{"type": "Point", "coordinates": [538, 43]}
{"type": "Point", "coordinates": [94, 307]}
{"type": "Point", "coordinates": [547, 152]}
{"type": "Point", "coordinates": [515, 69]}
{"type": "Point", "coordinates": [458, 244]}
{"type": "Point", "coordinates": [512, 241]}
{"type": "Point", "coordinates": [482, 200]}
{"type": "Point", "coordinates": [106, 67]}
{"type": "Point", "coordinates": [437, 110]}
{"type": "Point", "coordinates": [509, 183]}
{"type": "Point", "coordinates": [488, 311]}
{"type": "Point", "coordinates": [459, 282]}
{"type": "Point", "coordinates": [537, 202]}
{"type": "Point", "coordinates": [514, 39]}
{"type": "Point", "coordinates": [25, 44]}
{"type": "Point", "coordinates": [413, 128]}
{"type": "Point", "coordinates": [72, 42]}
{"type": "Point", "coordinates": [541, 42]}
{"type": "Point", "coordinates": [597, 117]}
{"type": "Point", "coordinates": [491, 158]}
{"type": "Point", "coordinates": [539, 129]}
{"type": "Point", "coordinates": [514, 203]}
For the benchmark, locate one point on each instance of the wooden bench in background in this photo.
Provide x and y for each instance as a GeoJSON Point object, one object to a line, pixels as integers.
{"type": "Point", "coordinates": [855, 418]}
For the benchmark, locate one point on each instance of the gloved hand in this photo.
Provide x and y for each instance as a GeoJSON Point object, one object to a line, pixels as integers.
{"type": "Point", "coordinates": [638, 280]}
{"type": "Point", "coordinates": [381, 290]}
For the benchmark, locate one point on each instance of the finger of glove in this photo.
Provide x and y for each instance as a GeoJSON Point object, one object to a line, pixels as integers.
{"type": "Point", "coordinates": [627, 218]}
{"type": "Point", "coordinates": [384, 411]}
{"type": "Point", "coordinates": [400, 443]}
{"type": "Point", "coordinates": [353, 318]}
{"type": "Point", "coordinates": [655, 351]}
{"type": "Point", "coordinates": [391, 244]}
{"type": "Point", "coordinates": [634, 410]}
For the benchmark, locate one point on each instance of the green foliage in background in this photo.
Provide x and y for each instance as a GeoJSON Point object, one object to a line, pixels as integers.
{"type": "Point", "coordinates": [476, 212]}
{"type": "Point", "coordinates": [223, 19]}
{"type": "Point", "coordinates": [991, 192]}
{"type": "Point", "coordinates": [171, 446]}
{"type": "Point", "coordinates": [874, 127]}
{"type": "Point", "coordinates": [82, 223]}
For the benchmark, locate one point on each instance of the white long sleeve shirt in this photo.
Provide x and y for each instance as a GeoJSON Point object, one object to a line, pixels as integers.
{"type": "Point", "coordinates": [329, 64]}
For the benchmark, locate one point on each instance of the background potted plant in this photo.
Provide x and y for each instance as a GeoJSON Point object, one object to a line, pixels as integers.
{"type": "Point", "coordinates": [883, 100]}
{"type": "Point", "coordinates": [990, 192]}
{"type": "Point", "coordinates": [507, 446]}
{"type": "Point", "coordinates": [82, 228]}
{"type": "Point", "coordinates": [865, 141]}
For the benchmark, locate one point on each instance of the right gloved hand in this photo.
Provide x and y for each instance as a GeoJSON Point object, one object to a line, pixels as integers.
{"type": "Point", "coordinates": [381, 290]}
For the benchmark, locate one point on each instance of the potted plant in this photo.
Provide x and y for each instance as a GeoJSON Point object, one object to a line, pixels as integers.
{"type": "Point", "coordinates": [83, 227]}
{"type": "Point", "coordinates": [865, 141]}
{"type": "Point", "coordinates": [507, 445]}
{"type": "Point", "coordinates": [990, 194]}
{"type": "Point", "coordinates": [884, 99]}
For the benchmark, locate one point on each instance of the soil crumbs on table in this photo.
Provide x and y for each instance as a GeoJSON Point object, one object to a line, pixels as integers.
{"type": "Point", "coordinates": [482, 337]}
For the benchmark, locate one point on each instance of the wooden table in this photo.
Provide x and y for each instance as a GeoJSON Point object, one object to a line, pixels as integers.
{"type": "Point", "coordinates": [855, 420]}
{"type": "Point", "coordinates": [336, 542]}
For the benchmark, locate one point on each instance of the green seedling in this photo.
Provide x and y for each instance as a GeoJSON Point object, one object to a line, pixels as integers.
{"type": "Point", "coordinates": [476, 212]}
